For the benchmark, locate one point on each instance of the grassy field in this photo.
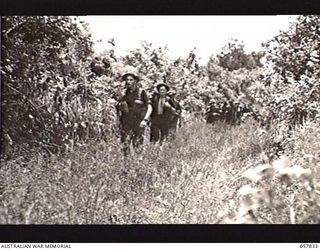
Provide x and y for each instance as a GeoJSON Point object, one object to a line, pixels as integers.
{"type": "Point", "coordinates": [199, 177]}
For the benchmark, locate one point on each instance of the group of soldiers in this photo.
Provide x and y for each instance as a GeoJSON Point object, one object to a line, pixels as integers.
{"type": "Point", "coordinates": [136, 110]}
{"type": "Point", "coordinates": [230, 112]}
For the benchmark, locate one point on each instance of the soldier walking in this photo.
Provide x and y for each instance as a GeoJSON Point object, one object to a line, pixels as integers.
{"type": "Point", "coordinates": [131, 109]}
{"type": "Point", "coordinates": [164, 112]}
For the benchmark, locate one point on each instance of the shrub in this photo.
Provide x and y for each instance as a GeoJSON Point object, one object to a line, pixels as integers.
{"type": "Point", "coordinates": [286, 190]}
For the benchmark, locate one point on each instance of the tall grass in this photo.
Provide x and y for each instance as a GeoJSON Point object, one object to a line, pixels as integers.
{"type": "Point", "coordinates": [193, 178]}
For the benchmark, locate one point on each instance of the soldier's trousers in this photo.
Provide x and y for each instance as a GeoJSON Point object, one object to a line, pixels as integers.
{"type": "Point", "coordinates": [160, 127]}
{"type": "Point", "coordinates": [131, 132]}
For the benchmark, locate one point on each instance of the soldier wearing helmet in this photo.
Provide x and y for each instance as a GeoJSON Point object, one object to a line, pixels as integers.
{"type": "Point", "coordinates": [132, 107]}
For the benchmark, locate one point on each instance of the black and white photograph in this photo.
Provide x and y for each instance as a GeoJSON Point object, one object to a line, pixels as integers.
{"type": "Point", "coordinates": [126, 120]}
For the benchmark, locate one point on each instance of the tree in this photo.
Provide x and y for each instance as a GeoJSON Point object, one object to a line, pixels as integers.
{"type": "Point", "coordinates": [42, 56]}
{"type": "Point", "coordinates": [292, 72]}
{"type": "Point", "coordinates": [233, 57]}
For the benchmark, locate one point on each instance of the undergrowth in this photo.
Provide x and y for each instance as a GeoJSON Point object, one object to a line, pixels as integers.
{"type": "Point", "coordinates": [194, 178]}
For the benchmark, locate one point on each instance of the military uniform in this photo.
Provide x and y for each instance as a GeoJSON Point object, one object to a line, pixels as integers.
{"type": "Point", "coordinates": [164, 117]}
{"type": "Point", "coordinates": [131, 109]}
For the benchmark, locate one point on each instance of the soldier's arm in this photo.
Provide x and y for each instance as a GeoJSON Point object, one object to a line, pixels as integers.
{"type": "Point", "coordinates": [121, 105]}
{"type": "Point", "coordinates": [148, 100]}
{"type": "Point", "coordinates": [148, 113]}
{"type": "Point", "coordinates": [178, 106]}
{"type": "Point", "coordinates": [175, 107]}
{"type": "Point", "coordinates": [118, 108]}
